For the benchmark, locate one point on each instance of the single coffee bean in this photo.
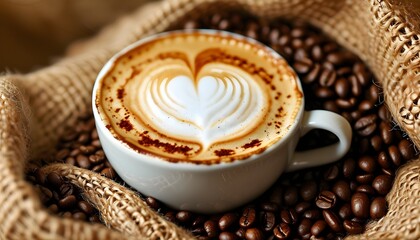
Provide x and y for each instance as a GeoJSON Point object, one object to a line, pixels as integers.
{"type": "Point", "coordinates": [345, 211]}
{"type": "Point", "coordinates": [98, 168]}
{"type": "Point", "coordinates": [227, 221]}
{"type": "Point", "coordinates": [83, 161]}
{"type": "Point", "coordinates": [184, 216]}
{"type": "Point", "coordinates": [344, 71]}
{"type": "Point", "coordinates": [294, 217]}
{"type": "Point", "coordinates": [386, 132]}
{"type": "Point", "coordinates": [395, 155]}
{"type": "Point", "coordinates": [109, 173]}
{"type": "Point", "coordinates": [312, 74]}
{"type": "Point", "coordinates": [326, 200]}
{"type": "Point", "coordinates": [227, 236]}
{"type": "Point", "coordinates": [331, 106]}
{"type": "Point", "coordinates": [62, 154]}
{"type": "Point", "coordinates": [300, 208]}
{"type": "Point", "coordinates": [83, 138]}
{"type": "Point", "coordinates": [384, 160]}
{"type": "Point", "coordinates": [211, 228]}
{"type": "Point", "coordinates": [291, 196]}
{"type": "Point", "coordinates": [45, 194]}
{"type": "Point", "coordinates": [353, 227]}
{"type": "Point", "coordinates": [342, 87]}
{"type": "Point", "coordinates": [331, 173]}
{"type": "Point", "coordinates": [360, 205]}
{"type": "Point", "coordinates": [248, 217]}
{"type": "Point", "coordinates": [324, 93]}
{"type": "Point", "coordinates": [376, 142]}
{"type": "Point", "coordinates": [53, 208]}
{"type": "Point", "coordinates": [304, 227]}
{"type": "Point", "coordinates": [302, 66]}
{"type": "Point", "coordinates": [406, 149]}
{"type": "Point", "coordinates": [365, 126]}
{"type": "Point", "coordinates": [285, 216]}
{"type": "Point", "coordinates": [312, 214]}
{"type": "Point", "coordinates": [367, 164]}
{"type": "Point", "coordinates": [366, 105]}
{"type": "Point", "coordinates": [332, 220]}
{"type": "Point", "coordinates": [378, 208]}
{"type": "Point", "coordinates": [87, 150]}
{"type": "Point", "coordinates": [356, 87]}
{"type": "Point", "coordinates": [268, 221]}
{"type": "Point", "coordinates": [81, 216]}
{"type": "Point", "coordinates": [317, 53]}
{"type": "Point", "coordinates": [94, 219]}
{"type": "Point", "coordinates": [67, 202]}
{"type": "Point", "coordinates": [366, 189]}
{"type": "Point", "coordinates": [327, 78]}
{"type": "Point", "coordinates": [152, 202]}
{"type": "Point", "coordinates": [361, 73]}
{"type": "Point", "coordinates": [365, 178]}
{"type": "Point", "coordinates": [308, 190]}
{"type": "Point", "coordinates": [86, 207]}
{"type": "Point", "coordinates": [282, 231]}
{"type": "Point", "coordinates": [66, 214]}
{"type": "Point", "coordinates": [54, 180]}
{"type": "Point", "coordinates": [95, 159]}
{"type": "Point", "coordinates": [346, 103]}
{"type": "Point", "coordinates": [382, 184]}
{"type": "Point", "coordinates": [349, 167]}
{"type": "Point", "coordinates": [269, 206]}
{"type": "Point", "coordinates": [170, 216]}
{"type": "Point", "coordinates": [342, 190]}
{"type": "Point", "coordinates": [240, 233]}
{"type": "Point", "coordinates": [254, 234]}
{"type": "Point", "coordinates": [319, 227]}
{"type": "Point", "coordinates": [66, 189]}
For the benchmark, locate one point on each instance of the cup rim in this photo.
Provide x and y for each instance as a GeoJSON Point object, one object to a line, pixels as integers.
{"type": "Point", "coordinates": [190, 165]}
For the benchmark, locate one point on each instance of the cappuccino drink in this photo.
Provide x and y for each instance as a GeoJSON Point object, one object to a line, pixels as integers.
{"type": "Point", "coordinates": [198, 97]}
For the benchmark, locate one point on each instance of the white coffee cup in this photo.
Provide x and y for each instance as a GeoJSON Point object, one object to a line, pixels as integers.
{"type": "Point", "coordinates": [217, 187]}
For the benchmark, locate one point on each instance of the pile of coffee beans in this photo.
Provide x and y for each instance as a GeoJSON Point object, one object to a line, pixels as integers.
{"type": "Point", "coordinates": [327, 202]}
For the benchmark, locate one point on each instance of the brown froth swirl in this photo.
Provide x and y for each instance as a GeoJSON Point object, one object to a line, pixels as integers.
{"type": "Point", "coordinates": [199, 97]}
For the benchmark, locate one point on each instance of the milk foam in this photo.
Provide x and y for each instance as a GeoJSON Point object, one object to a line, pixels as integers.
{"type": "Point", "coordinates": [199, 98]}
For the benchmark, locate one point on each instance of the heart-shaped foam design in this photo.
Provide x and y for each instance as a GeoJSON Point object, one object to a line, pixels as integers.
{"type": "Point", "coordinates": [219, 103]}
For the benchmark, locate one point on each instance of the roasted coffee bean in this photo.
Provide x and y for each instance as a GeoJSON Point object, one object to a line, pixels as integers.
{"type": "Point", "coordinates": [327, 78]}
{"type": "Point", "coordinates": [62, 154]}
{"type": "Point", "coordinates": [240, 233]}
{"type": "Point", "coordinates": [54, 180]}
{"type": "Point", "coordinates": [331, 173]}
{"type": "Point", "coordinates": [366, 189]}
{"type": "Point", "coordinates": [254, 234]}
{"type": "Point", "coordinates": [406, 149]}
{"type": "Point", "coordinates": [360, 205]}
{"type": "Point", "coordinates": [79, 216]}
{"type": "Point", "coordinates": [109, 173]}
{"type": "Point", "coordinates": [184, 216]}
{"type": "Point", "coordinates": [312, 214]}
{"type": "Point", "coordinates": [394, 155]}
{"type": "Point", "coordinates": [365, 126]}
{"type": "Point", "coordinates": [365, 178]}
{"type": "Point", "coordinates": [86, 207]}
{"type": "Point", "coordinates": [83, 138]}
{"type": "Point", "coordinates": [290, 196]}
{"type": "Point", "coordinates": [367, 164]}
{"type": "Point", "coordinates": [304, 227]}
{"type": "Point", "coordinates": [366, 106]}
{"type": "Point", "coordinates": [326, 200]}
{"type": "Point", "coordinates": [382, 184]}
{"type": "Point", "coordinates": [66, 189]}
{"type": "Point", "coordinates": [312, 74]}
{"type": "Point", "coordinates": [344, 71]}
{"type": "Point", "coordinates": [356, 87]}
{"type": "Point", "coordinates": [227, 221]}
{"type": "Point", "coordinates": [269, 206]}
{"type": "Point", "coordinates": [345, 211]}
{"type": "Point", "coordinates": [331, 106]}
{"type": "Point", "coordinates": [376, 142]}
{"type": "Point", "coordinates": [71, 161]}
{"type": "Point", "coordinates": [378, 208]}
{"type": "Point", "coordinates": [346, 103]}
{"type": "Point", "coordinates": [211, 228]}
{"type": "Point", "coordinates": [308, 190]}
{"type": "Point", "coordinates": [353, 227]}
{"type": "Point", "coordinates": [349, 167]}
{"type": "Point", "coordinates": [342, 190]}
{"type": "Point", "coordinates": [248, 217]}
{"type": "Point", "coordinates": [386, 132]}
{"type": "Point", "coordinates": [95, 159]}
{"type": "Point", "coordinates": [67, 202]}
{"type": "Point", "coordinates": [268, 221]}
{"type": "Point", "coordinates": [332, 220]}
{"type": "Point", "coordinates": [317, 53]}
{"type": "Point", "coordinates": [98, 168]}
{"type": "Point", "coordinates": [318, 228]}
{"type": "Point", "coordinates": [83, 161]}
{"type": "Point", "coordinates": [152, 202]}
{"type": "Point", "coordinates": [45, 194]}
{"type": "Point", "coordinates": [53, 208]}
{"type": "Point", "coordinates": [87, 150]}
{"type": "Point", "coordinates": [303, 65]}
{"type": "Point", "coordinates": [362, 74]}
{"type": "Point", "coordinates": [342, 87]}
{"type": "Point", "coordinates": [227, 236]}
{"type": "Point", "coordinates": [282, 231]}
{"type": "Point", "coordinates": [384, 160]}
{"type": "Point", "coordinates": [300, 208]}
{"type": "Point", "coordinates": [324, 93]}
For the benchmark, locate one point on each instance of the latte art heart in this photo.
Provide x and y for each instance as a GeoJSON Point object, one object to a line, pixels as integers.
{"type": "Point", "coordinates": [199, 98]}
{"type": "Point", "coordinates": [222, 104]}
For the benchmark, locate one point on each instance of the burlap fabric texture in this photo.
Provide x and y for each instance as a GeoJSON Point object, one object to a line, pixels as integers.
{"type": "Point", "coordinates": [35, 107]}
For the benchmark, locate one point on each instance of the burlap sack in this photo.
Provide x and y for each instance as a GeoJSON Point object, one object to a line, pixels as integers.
{"type": "Point", "coordinates": [35, 107]}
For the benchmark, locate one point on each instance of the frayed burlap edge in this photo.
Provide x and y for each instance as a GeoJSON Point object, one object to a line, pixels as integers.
{"type": "Point", "coordinates": [375, 30]}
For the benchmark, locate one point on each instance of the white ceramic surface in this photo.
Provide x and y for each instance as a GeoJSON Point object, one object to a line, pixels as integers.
{"type": "Point", "coordinates": [219, 187]}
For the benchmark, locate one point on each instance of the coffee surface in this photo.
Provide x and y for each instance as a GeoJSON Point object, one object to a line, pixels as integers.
{"type": "Point", "coordinates": [201, 97]}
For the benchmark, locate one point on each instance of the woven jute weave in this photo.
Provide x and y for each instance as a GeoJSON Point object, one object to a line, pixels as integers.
{"type": "Point", "coordinates": [35, 107]}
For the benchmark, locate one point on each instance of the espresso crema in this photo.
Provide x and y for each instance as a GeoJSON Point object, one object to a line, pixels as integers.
{"type": "Point", "coordinates": [203, 97]}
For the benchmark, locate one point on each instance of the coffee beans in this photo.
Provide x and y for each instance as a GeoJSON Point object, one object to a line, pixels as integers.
{"type": "Point", "coordinates": [328, 202]}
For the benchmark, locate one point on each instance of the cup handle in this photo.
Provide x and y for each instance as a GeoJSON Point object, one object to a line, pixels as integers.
{"type": "Point", "coordinates": [329, 121]}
